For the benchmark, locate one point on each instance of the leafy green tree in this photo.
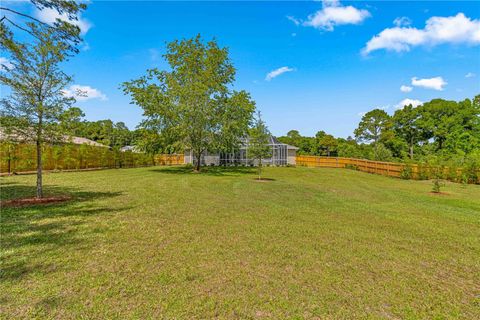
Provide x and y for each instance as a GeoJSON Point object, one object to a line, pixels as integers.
{"type": "Point", "coordinates": [374, 125]}
{"type": "Point", "coordinates": [14, 24]}
{"type": "Point", "coordinates": [306, 145]}
{"type": "Point", "coordinates": [233, 121]}
{"type": "Point", "coordinates": [405, 125]}
{"type": "Point", "coordinates": [193, 103]}
{"type": "Point", "coordinates": [382, 153]}
{"type": "Point", "coordinates": [328, 143]}
{"type": "Point", "coordinates": [36, 103]}
{"type": "Point", "coordinates": [349, 149]}
{"type": "Point", "coordinates": [440, 118]}
{"type": "Point", "coordinates": [71, 121]}
{"type": "Point", "coordinates": [258, 148]}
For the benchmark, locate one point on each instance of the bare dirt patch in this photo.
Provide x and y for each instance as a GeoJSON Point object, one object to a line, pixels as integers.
{"type": "Point", "coordinates": [439, 193]}
{"type": "Point", "coordinates": [263, 179]}
{"type": "Point", "coordinates": [25, 202]}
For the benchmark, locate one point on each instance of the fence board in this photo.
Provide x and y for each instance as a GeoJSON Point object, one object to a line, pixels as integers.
{"type": "Point", "coordinates": [22, 158]}
{"type": "Point", "coordinates": [390, 169]}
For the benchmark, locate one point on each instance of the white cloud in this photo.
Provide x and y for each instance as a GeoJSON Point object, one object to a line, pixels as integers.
{"type": "Point", "coordinates": [402, 22]}
{"type": "Point", "coordinates": [275, 73]}
{"type": "Point", "coordinates": [84, 93]}
{"type": "Point", "coordinates": [294, 20]}
{"type": "Point", "coordinates": [438, 30]}
{"type": "Point", "coordinates": [405, 102]}
{"type": "Point", "coordinates": [5, 64]}
{"type": "Point", "coordinates": [361, 114]}
{"type": "Point", "coordinates": [332, 14]}
{"type": "Point", "coordinates": [49, 16]}
{"type": "Point", "coordinates": [435, 83]}
{"type": "Point", "coordinates": [470, 75]}
{"type": "Point", "coordinates": [404, 88]}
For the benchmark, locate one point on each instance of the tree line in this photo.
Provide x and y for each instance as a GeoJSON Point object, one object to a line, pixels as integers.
{"type": "Point", "coordinates": [112, 134]}
{"type": "Point", "coordinates": [443, 129]}
{"type": "Point", "coordinates": [193, 105]}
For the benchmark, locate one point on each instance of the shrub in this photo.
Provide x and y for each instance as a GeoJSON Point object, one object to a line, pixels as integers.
{"type": "Point", "coordinates": [436, 185]}
{"type": "Point", "coordinates": [406, 172]}
{"type": "Point", "coordinates": [423, 171]}
{"type": "Point", "coordinates": [351, 166]}
{"type": "Point", "coordinates": [471, 170]}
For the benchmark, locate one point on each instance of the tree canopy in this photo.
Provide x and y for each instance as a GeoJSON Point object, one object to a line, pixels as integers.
{"type": "Point", "coordinates": [37, 103]}
{"type": "Point", "coordinates": [442, 128]}
{"type": "Point", "coordinates": [258, 140]}
{"type": "Point", "coordinates": [15, 24]}
{"type": "Point", "coordinates": [193, 103]}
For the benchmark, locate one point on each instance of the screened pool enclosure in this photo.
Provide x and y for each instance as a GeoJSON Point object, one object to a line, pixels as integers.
{"type": "Point", "coordinates": [282, 154]}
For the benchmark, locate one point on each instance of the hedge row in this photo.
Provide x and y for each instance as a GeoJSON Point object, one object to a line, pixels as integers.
{"type": "Point", "coordinates": [22, 158]}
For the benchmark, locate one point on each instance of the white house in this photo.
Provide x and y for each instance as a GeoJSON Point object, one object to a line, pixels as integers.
{"type": "Point", "coordinates": [282, 154]}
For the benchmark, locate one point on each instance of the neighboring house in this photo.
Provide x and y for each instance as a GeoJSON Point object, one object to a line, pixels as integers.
{"type": "Point", "coordinates": [66, 139]}
{"type": "Point", "coordinates": [130, 148]}
{"type": "Point", "coordinates": [282, 154]}
{"type": "Point", "coordinates": [79, 140]}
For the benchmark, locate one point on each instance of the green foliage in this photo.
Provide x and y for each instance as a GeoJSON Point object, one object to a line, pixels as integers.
{"type": "Point", "coordinates": [306, 145]}
{"type": "Point", "coordinates": [35, 107]}
{"type": "Point", "coordinates": [406, 127]}
{"type": "Point", "coordinates": [351, 167]}
{"type": "Point", "coordinates": [192, 103]}
{"type": "Point", "coordinates": [446, 129]}
{"type": "Point", "coordinates": [68, 156]}
{"type": "Point", "coordinates": [423, 171]}
{"type": "Point", "coordinates": [258, 147]}
{"type": "Point", "coordinates": [406, 172]}
{"type": "Point", "coordinates": [17, 24]}
{"type": "Point", "coordinates": [373, 126]}
{"type": "Point", "coordinates": [471, 168]}
{"type": "Point", "coordinates": [452, 125]}
{"type": "Point", "coordinates": [381, 153]}
{"type": "Point", "coordinates": [436, 186]}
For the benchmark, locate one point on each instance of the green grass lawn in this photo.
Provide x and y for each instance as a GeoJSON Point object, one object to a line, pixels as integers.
{"type": "Point", "coordinates": [312, 243]}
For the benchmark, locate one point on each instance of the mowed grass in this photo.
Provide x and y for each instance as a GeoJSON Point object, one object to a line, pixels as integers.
{"type": "Point", "coordinates": [312, 243]}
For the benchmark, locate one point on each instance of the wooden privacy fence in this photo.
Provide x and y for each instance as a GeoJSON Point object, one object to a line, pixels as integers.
{"type": "Point", "coordinates": [22, 158]}
{"type": "Point", "coordinates": [391, 169]}
{"type": "Point", "coordinates": [169, 159]}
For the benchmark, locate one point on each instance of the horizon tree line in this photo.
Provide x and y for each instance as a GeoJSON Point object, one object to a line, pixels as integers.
{"type": "Point", "coordinates": [193, 105]}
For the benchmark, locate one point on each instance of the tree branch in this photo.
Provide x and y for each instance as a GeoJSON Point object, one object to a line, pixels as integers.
{"type": "Point", "coordinates": [23, 15]}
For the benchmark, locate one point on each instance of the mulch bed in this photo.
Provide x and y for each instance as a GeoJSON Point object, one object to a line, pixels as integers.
{"type": "Point", "coordinates": [263, 179]}
{"type": "Point", "coordinates": [25, 202]}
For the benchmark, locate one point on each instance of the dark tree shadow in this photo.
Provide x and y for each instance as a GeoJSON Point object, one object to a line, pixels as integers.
{"type": "Point", "coordinates": [209, 171]}
{"type": "Point", "coordinates": [39, 229]}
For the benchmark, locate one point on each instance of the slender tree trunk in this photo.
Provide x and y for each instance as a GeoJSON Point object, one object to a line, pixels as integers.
{"type": "Point", "coordinates": [198, 155]}
{"type": "Point", "coordinates": [39, 170]}
{"type": "Point", "coordinates": [9, 160]}
{"type": "Point", "coordinates": [411, 148]}
{"type": "Point", "coordinates": [260, 170]}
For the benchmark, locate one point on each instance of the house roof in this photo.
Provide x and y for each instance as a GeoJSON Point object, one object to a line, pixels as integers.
{"type": "Point", "coordinates": [274, 141]}
{"type": "Point", "coordinates": [130, 148]}
{"type": "Point", "coordinates": [79, 140]}
{"type": "Point", "coordinates": [66, 139]}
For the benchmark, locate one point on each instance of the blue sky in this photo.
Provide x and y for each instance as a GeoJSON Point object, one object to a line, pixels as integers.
{"type": "Point", "coordinates": [334, 71]}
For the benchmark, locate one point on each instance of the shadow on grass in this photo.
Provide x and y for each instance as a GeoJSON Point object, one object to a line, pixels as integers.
{"type": "Point", "coordinates": [31, 234]}
{"type": "Point", "coordinates": [210, 171]}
